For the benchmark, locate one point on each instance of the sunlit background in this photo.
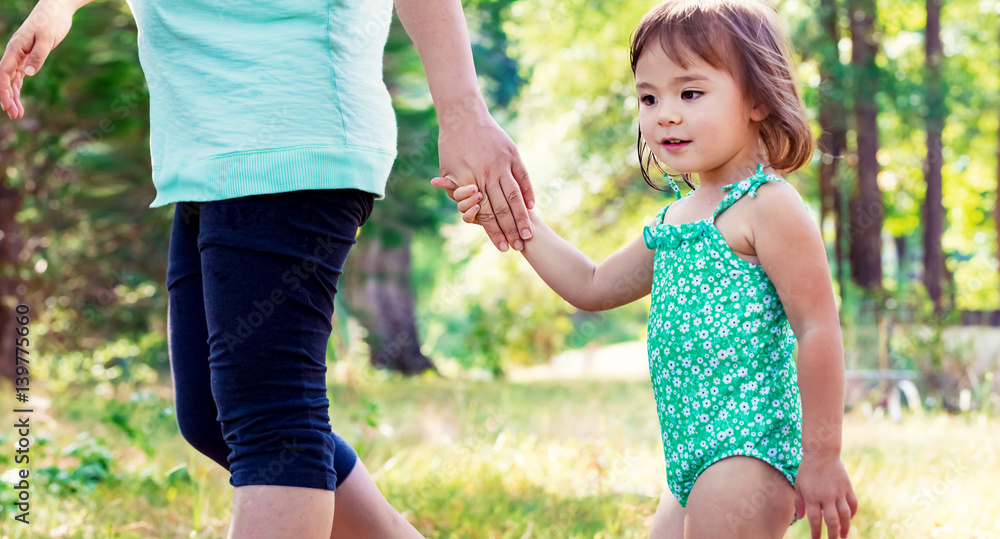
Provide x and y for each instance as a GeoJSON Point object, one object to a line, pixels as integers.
{"type": "Point", "coordinates": [518, 416]}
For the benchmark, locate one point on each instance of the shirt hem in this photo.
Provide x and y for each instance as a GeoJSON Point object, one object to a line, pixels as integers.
{"type": "Point", "coordinates": [274, 171]}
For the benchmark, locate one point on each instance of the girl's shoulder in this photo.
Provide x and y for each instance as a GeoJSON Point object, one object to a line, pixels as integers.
{"type": "Point", "coordinates": [769, 192]}
{"type": "Point", "coordinates": [775, 190]}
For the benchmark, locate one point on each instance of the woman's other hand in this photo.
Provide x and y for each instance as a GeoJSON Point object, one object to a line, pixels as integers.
{"type": "Point", "coordinates": [46, 26]}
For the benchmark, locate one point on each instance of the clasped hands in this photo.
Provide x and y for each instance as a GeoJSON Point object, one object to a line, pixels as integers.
{"type": "Point", "coordinates": [481, 159]}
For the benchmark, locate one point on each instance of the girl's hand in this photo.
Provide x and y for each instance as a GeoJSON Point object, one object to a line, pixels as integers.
{"type": "Point", "coordinates": [823, 492]}
{"type": "Point", "coordinates": [46, 26]}
{"type": "Point", "coordinates": [467, 196]}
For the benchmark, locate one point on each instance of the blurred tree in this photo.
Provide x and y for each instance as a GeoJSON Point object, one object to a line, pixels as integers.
{"type": "Point", "coordinates": [378, 288]}
{"type": "Point", "coordinates": [866, 205]}
{"type": "Point", "coordinates": [78, 240]}
{"type": "Point", "coordinates": [833, 130]}
{"type": "Point", "coordinates": [933, 207]}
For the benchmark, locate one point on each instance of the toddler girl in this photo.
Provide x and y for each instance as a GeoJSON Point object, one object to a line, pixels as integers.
{"type": "Point", "coordinates": [738, 274]}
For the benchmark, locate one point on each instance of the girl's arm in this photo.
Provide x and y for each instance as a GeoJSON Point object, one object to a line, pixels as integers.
{"type": "Point", "coordinates": [44, 28]}
{"type": "Point", "coordinates": [790, 249]}
{"type": "Point", "coordinates": [472, 147]}
{"type": "Point", "coordinates": [622, 278]}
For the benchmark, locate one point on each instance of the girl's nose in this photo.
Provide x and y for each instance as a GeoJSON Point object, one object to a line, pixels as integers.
{"type": "Point", "coordinates": [668, 114]}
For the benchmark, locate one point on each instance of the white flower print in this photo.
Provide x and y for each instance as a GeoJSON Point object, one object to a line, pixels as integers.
{"type": "Point", "coordinates": [738, 309]}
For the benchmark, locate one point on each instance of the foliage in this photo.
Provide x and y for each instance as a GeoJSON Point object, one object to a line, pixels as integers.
{"type": "Point", "coordinates": [557, 75]}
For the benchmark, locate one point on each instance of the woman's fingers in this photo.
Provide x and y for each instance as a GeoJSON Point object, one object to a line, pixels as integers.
{"type": "Point", "coordinates": [448, 185]}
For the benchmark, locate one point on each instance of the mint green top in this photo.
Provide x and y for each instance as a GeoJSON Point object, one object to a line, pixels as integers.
{"type": "Point", "coordinates": [720, 351]}
{"type": "Point", "coordinates": [249, 97]}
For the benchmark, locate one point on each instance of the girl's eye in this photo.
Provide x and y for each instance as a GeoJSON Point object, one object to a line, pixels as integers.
{"type": "Point", "coordinates": [690, 94]}
{"type": "Point", "coordinates": [648, 100]}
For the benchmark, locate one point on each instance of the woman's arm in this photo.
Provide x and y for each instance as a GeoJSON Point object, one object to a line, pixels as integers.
{"type": "Point", "coordinates": [44, 28]}
{"type": "Point", "coordinates": [791, 252]}
{"type": "Point", "coordinates": [473, 148]}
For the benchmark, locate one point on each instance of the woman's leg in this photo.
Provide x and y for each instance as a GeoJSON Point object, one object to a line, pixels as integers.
{"type": "Point", "coordinates": [739, 497]}
{"type": "Point", "coordinates": [270, 265]}
{"type": "Point", "coordinates": [668, 522]}
{"type": "Point", "coordinates": [187, 339]}
{"type": "Point", "coordinates": [363, 513]}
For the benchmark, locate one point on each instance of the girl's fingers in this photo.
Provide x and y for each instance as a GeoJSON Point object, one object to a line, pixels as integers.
{"type": "Point", "coordinates": [466, 192]}
{"type": "Point", "coordinates": [466, 203]}
{"type": "Point", "coordinates": [845, 517]}
{"type": "Point", "coordinates": [472, 214]}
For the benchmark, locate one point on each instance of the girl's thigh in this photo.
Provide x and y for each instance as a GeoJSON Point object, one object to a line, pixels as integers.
{"type": "Point", "coordinates": [740, 496]}
{"type": "Point", "coordinates": [270, 266]}
{"type": "Point", "coordinates": [668, 522]}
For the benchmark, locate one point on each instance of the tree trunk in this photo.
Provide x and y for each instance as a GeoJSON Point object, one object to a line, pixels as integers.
{"type": "Point", "coordinates": [378, 293]}
{"type": "Point", "coordinates": [833, 139]}
{"type": "Point", "coordinates": [866, 206]}
{"type": "Point", "coordinates": [933, 207]}
{"type": "Point", "coordinates": [10, 296]}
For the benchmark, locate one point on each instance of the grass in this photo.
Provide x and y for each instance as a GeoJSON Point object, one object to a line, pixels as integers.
{"type": "Point", "coordinates": [478, 459]}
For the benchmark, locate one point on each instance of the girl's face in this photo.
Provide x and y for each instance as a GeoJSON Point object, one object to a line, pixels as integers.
{"type": "Point", "coordinates": [695, 120]}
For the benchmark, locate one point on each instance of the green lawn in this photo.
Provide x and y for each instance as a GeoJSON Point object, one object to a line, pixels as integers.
{"type": "Point", "coordinates": [479, 459]}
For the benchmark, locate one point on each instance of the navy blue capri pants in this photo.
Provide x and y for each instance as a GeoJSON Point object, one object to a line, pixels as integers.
{"type": "Point", "coordinates": [251, 283]}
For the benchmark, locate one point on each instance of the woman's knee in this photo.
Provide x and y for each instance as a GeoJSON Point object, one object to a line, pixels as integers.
{"type": "Point", "coordinates": [205, 437]}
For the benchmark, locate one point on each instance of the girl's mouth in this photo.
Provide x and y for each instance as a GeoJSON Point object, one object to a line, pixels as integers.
{"type": "Point", "coordinates": [675, 144]}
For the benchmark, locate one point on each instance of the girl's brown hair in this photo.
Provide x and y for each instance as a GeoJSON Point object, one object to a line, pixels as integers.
{"type": "Point", "coordinates": [744, 38]}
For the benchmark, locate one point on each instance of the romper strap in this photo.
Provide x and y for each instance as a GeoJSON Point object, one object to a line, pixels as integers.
{"type": "Point", "coordinates": [672, 185]}
{"type": "Point", "coordinates": [653, 235]}
{"type": "Point", "coordinates": [746, 187]}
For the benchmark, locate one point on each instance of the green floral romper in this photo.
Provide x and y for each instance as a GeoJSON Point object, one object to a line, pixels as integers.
{"type": "Point", "coordinates": [720, 351]}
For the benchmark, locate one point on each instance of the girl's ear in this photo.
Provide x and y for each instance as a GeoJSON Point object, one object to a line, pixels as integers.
{"type": "Point", "coordinates": [759, 112]}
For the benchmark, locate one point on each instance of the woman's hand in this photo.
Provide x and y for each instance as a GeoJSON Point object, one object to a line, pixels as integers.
{"type": "Point", "coordinates": [46, 26]}
{"type": "Point", "coordinates": [474, 150]}
{"type": "Point", "coordinates": [467, 196]}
